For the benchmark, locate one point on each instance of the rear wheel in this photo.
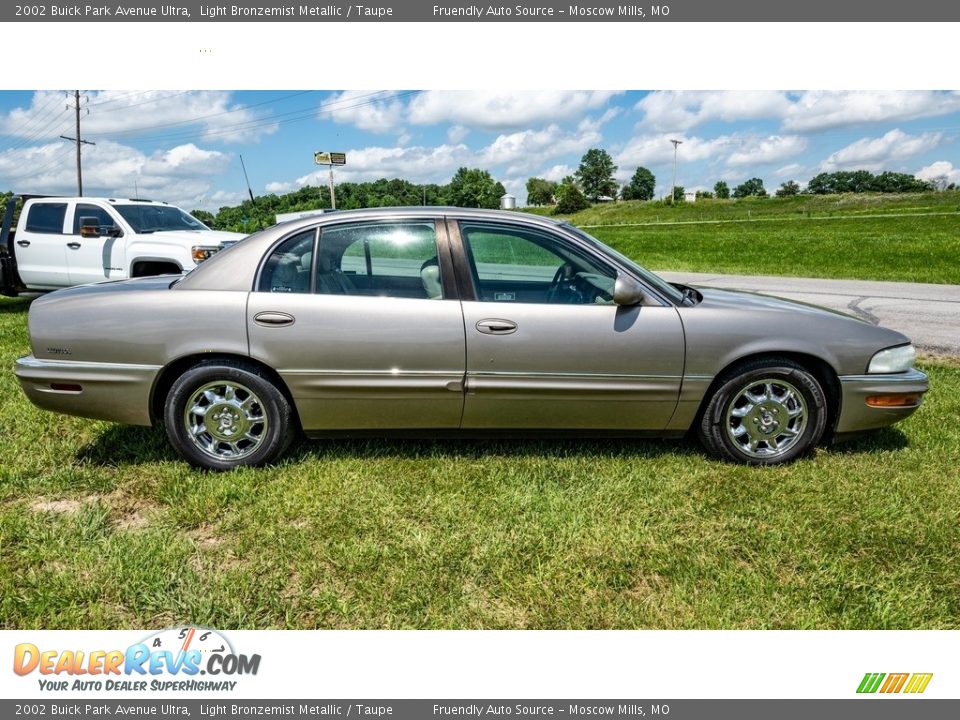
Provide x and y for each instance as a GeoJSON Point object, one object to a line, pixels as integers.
{"type": "Point", "coordinates": [224, 415]}
{"type": "Point", "coordinates": [765, 412]}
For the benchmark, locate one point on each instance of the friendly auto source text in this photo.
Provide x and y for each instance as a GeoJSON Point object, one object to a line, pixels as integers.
{"type": "Point", "coordinates": [520, 11]}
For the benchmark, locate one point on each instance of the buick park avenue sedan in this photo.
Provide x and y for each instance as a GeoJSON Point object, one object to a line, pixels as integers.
{"type": "Point", "coordinates": [434, 320]}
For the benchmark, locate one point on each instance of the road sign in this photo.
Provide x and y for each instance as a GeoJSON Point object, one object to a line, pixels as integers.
{"type": "Point", "coordinates": [329, 158]}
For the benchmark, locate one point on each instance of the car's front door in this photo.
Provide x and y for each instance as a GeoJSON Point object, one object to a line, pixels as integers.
{"type": "Point", "coordinates": [363, 326]}
{"type": "Point", "coordinates": [547, 347]}
{"type": "Point", "coordinates": [94, 258]}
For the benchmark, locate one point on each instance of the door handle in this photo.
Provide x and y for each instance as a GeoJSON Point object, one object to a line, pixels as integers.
{"type": "Point", "coordinates": [273, 319]}
{"type": "Point", "coordinates": [73, 245]}
{"type": "Point", "coordinates": [23, 243]}
{"type": "Point", "coordinates": [495, 326]}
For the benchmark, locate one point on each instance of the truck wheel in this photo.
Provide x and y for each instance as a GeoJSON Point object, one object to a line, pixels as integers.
{"type": "Point", "coordinates": [766, 412]}
{"type": "Point", "coordinates": [221, 415]}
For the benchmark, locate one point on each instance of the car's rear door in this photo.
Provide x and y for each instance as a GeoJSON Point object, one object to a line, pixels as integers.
{"type": "Point", "coordinates": [364, 326]}
{"type": "Point", "coordinates": [41, 245]}
{"type": "Point", "coordinates": [546, 346]}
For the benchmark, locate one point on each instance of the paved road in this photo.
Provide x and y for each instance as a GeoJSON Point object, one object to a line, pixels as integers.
{"type": "Point", "coordinates": [928, 314]}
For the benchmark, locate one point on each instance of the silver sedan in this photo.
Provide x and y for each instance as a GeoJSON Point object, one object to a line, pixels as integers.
{"type": "Point", "coordinates": [445, 320]}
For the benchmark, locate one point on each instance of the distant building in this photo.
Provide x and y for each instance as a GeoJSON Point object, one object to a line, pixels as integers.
{"type": "Point", "coordinates": [508, 202]}
{"type": "Point", "coordinates": [690, 196]}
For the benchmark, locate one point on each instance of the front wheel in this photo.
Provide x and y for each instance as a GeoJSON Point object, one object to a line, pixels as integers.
{"type": "Point", "coordinates": [766, 412]}
{"type": "Point", "coordinates": [222, 415]}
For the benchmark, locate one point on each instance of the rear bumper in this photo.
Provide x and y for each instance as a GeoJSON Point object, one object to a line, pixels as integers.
{"type": "Point", "coordinates": [102, 391]}
{"type": "Point", "coordinates": [857, 415]}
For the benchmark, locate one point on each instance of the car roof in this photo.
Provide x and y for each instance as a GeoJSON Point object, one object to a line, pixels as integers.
{"type": "Point", "coordinates": [418, 211]}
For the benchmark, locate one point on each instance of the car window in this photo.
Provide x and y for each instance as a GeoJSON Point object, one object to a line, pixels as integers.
{"type": "Point", "coordinates": [514, 264]}
{"type": "Point", "coordinates": [287, 270]}
{"type": "Point", "coordinates": [82, 211]}
{"type": "Point", "coordinates": [389, 259]}
{"type": "Point", "coordinates": [46, 218]}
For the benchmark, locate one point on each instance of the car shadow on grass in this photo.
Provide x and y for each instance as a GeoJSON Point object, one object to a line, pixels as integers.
{"type": "Point", "coordinates": [129, 445]}
{"type": "Point", "coordinates": [14, 306]}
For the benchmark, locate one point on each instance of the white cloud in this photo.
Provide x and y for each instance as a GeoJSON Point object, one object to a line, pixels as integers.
{"type": "Point", "coordinates": [527, 149]}
{"type": "Point", "coordinates": [882, 152]}
{"type": "Point", "coordinates": [279, 187]}
{"type": "Point", "coordinates": [457, 133]}
{"type": "Point", "coordinates": [788, 170]}
{"type": "Point", "coordinates": [775, 148]}
{"type": "Point", "coordinates": [375, 111]}
{"type": "Point", "coordinates": [673, 111]}
{"type": "Point", "coordinates": [938, 170]}
{"type": "Point", "coordinates": [181, 175]}
{"type": "Point", "coordinates": [822, 110]}
{"type": "Point", "coordinates": [113, 114]}
{"type": "Point", "coordinates": [417, 163]}
{"type": "Point", "coordinates": [650, 150]}
{"type": "Point", "coordinates": [503, 109]}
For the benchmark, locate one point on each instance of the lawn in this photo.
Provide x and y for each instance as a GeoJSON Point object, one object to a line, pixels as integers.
{"type": "Point", "coordinates": [101, 526]}
{"type": "Point", "coordinates": [868, 237]}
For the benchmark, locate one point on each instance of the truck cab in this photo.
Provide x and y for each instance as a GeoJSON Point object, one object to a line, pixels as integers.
{"type": "Point", "coordinates": [64, 241]}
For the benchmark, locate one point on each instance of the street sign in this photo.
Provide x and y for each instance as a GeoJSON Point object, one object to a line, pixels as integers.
{"type": "Point", "coordinates": [329, 158]}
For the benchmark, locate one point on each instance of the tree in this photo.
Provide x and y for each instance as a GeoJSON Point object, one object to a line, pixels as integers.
{"type": "Point", "coordinates": [474, 188]}
{"type": "Point", "coordinates": [679, 194]}
{"type": "Point", "coordinates": [207, 218]}
{"type": "Point", "coordinates": [570, 200]}
{"type": "Point", "coordinates": [540, 191]}
{"type": "Point", "coordinates": [595, 174]}
{"type": "Point", "coordinates": [750, 188]}
{"type": "Point", "coordinates": [788, 189]}
{"type": "Point", "coordinates": [641, 185]}
{"type": "Point", "coordinates": [704, 195]}
{"type": "Point", "coordinates": [722, 190]}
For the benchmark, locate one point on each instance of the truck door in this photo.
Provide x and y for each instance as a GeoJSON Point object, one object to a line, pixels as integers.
{"type": "Point", "coordinates": [94, 258]}
{"type": "Point", "coordinates": [41, 245]}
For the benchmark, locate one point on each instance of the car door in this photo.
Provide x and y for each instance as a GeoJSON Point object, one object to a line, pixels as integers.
{"type": "Point", "coordinates": [546, 345]}
{"type": "Point", "coordinates": [41, 246]}
{"type": "Point", "coordinates": [93, 259]}
{"type": "Point", "coordinates": [363, 325]}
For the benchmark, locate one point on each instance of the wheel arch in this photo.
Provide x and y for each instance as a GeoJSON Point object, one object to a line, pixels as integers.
{"type": "Point", "coordinates": [170, 372]}
{"type": "Point", "coordinates": [824, 373]}
{"type": "Point", "coordinates": [138, 263]}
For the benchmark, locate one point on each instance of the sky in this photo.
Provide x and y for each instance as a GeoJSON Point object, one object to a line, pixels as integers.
{"type": "Point", "coordinates": [184, 147]}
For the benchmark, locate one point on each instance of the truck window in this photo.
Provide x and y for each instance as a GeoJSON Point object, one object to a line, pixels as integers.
{"type": "Point", "coordinates": [104, 219]}
{"type": "Point", "coordinates": [46, 218]}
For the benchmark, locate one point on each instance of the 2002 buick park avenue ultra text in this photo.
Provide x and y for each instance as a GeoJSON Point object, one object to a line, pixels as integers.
{"type": "Point", "coordinates": [444, 319]}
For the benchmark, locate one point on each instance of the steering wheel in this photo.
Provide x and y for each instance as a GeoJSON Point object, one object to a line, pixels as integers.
{"type": "Point", "coordinates": [559, 283]}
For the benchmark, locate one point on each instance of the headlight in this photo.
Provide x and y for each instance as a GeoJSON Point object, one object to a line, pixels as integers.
{"type": "Point", "coordinates": [893, 360]}
{"type": "Point", "coordinates": [203, 252]}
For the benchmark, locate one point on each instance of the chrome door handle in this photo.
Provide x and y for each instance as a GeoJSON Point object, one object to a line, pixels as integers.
{"type": "Point", "coordinates": [273, 319]}
{"type": "Point", "coordinates": [73, 245]}
{"type": "Point", "coordinates": [23, 243]}
{"type": "Point", "coordinates": [495, 326]}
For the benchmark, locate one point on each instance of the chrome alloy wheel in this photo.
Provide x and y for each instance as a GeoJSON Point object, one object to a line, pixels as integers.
{"type": "Point", "coordinates": [766, 418]}
{"type": "Point", "coordinates": [225, 420]}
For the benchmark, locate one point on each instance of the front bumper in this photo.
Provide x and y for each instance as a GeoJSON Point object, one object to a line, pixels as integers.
{"type": "Point", "coordinates": [102, 391]}
{"type": "Point", "coordinates": [857, 415]}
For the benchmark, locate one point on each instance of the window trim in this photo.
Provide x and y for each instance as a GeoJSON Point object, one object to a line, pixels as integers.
{"type": "Point", "coordinates": [274, 247]}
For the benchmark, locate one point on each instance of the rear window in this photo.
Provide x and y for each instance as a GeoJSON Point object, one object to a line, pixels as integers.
{"type": "Point", "coordinates": [46, 217]}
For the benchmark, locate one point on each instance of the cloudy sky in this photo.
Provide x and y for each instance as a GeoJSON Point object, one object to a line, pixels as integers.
{"type": "Point", "coordinates": [185, 146]}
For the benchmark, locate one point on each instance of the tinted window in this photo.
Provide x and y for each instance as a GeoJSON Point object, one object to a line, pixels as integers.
{"type": "Point", "coordinates": [151, 218]}
{"type": "Point", "coordinates": [287, 269]}
{"type": "Point", "coordinates": [104, 221]}
{"type": "Point", "coordinates": [46, 217]}
{"type": "Point", "coordinates": [396, 259]}
{"type": "Point", "coordinates": [513, 264]}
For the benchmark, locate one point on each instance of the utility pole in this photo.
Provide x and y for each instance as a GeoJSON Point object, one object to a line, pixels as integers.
{"type": "Point", "coordinates": [673, 190]}
{"type": "Point", "coordinates": [78, 140]}
{"type": "Point", "coordinates": [333, 192]}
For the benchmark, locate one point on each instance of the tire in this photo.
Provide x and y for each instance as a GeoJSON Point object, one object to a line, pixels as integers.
{"type": "Point", "coordinates": [765, 412]}
{"type": "Point", "coordinates": [222, 415]}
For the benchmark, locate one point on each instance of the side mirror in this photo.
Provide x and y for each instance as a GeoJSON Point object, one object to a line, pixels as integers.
{"type": "Point", "coordinates": [89, 227]}
{"type": "Point", "coordinates": [627, 291]}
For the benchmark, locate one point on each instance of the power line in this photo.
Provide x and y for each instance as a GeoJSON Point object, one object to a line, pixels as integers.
{"type": "Point", "coordinates": [79, 141]}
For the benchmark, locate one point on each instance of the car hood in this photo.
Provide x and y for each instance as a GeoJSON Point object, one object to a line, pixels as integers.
{"type": "Point", "coordinates": [751, 300]}
{"type": "Point", "coordinates": [193, 237]}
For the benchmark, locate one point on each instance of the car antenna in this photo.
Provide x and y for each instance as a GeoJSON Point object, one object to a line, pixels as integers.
{"type": "Point", "coordinates": [250, 191]}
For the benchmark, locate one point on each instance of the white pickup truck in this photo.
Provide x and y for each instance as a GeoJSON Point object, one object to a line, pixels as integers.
{"type": "Point", "coordinates": [64, 241]}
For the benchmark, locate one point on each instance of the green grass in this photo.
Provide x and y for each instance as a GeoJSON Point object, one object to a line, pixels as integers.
{"type": "Point", "coordinates": [102, 527]}
{"type": "Point", "coordinates": [869, 237]}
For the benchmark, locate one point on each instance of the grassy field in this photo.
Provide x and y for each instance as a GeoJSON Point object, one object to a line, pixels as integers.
{"type": "Point", "coordinates": [101, 526]}
{"type": "Point", "coordinates": [869, 237]}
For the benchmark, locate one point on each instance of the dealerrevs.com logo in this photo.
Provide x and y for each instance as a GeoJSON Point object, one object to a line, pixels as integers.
{"type": "Point", "coordinates": [180, 659]}
{"type": "Point", "coordinates": [891, 683]}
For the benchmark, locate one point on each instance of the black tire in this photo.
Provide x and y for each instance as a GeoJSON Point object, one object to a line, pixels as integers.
{"type": "Point", "coordinates": [257, 414]}
{"type": "Point", "coordinates": [769, 433]}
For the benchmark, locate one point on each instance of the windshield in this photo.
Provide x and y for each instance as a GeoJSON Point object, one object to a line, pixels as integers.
{"type": "Point", "coordinates": [152, 218]}
{"type": "Point", "coordinates": [658, 283]}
